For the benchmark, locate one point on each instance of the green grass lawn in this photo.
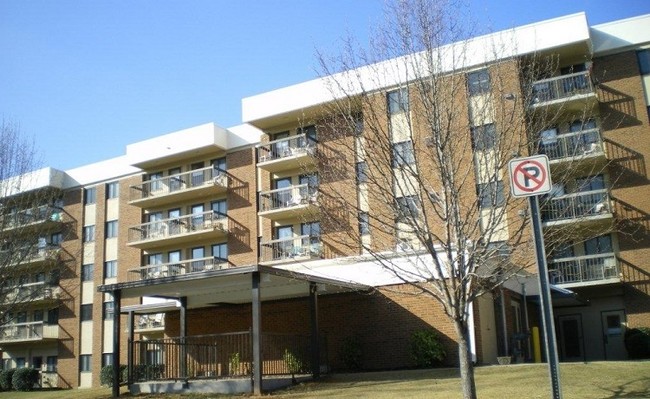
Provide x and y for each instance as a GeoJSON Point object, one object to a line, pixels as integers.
{"type": "Point", "coordinates": [579, 380]}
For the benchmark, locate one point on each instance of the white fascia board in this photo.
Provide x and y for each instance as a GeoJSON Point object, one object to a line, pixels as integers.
{"type": "Point", "coordinates": [30, 181]}
{"type": "Point", "coordinates": [177, 143]}
{"type": "Point", "coordinates": [621, 35]}
{"type": "Point", "coordinates": [366, 270]}
{"type": "Point", "coordinates": [243, 135]}
{"type": "Point", "coordinates": [545, 35]}
{"type": "Point", "coordinates": [99, 171]}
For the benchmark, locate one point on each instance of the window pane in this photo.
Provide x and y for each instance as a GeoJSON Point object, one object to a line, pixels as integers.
{"type": "Point", "coordinates": [364, 223]}
{"type": "Point", "coordinates": [644, 61]}
{"type": "Point", "coordinates": [478, 82]}
{"type": "Point", "coordinates": [90, 196]}
{"type": "Point", "coordinates": [397, 101]}
{"type": "Point", "coordinates": [110, 269]}
{"type": "Point", "coordinates": [112, 190]}
{"type": "Point", "coordinates": [87, 272]}
{"type": "Point", "coordinates": [403, 154]}
{"type": "Point", "coordinates": [484, 137]}
{"type": "Point", "coordinates": [362, 169]}
{"type": "Point", "coordinates": [87, 312]}
{"type": "Point", "coordinates": [491, 194]}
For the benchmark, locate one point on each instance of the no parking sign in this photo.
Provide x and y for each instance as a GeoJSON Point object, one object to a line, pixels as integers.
{"type": "Point", "coordinates": [530, 176]}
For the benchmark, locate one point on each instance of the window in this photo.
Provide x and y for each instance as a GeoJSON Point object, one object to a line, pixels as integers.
{"type": "Point", "coordinates": [111, 229]}
{"type": "Point", "coordinates": [85, 362]}
{"type": "Point", "coordinates": [311, 229]}
{"type": "Point", "coordinates": [364, 223]}
{"type": "Point", "coordinates": [108, 310]}
{"type": "Point", "coordinates": [87, 312]}
{"type": "Point", "coordinates": [599, 245]}
{"type": "Point", "coordinates": [309, 132]}
{"type": "Point", "coordinates": [52, 362]}
{"type": "Point", "coordinates": [20, 362]}
{"type": "Point", "coordinates": [220, 252]}
{"type": "Point", "coordinates": [155, 181]}
{"type": "Point", "coordinates": [484, 137]}
{"type": "Point", "coordinates": [644, 61]}
{"type": "Point", "coordinates": [398, 101]}
{"type": "Point", "coordinates": [90, 196]}
{"type": "Point", "coordinates": [107, 359]}
{"type": "Point", "coordinates": [403, 154]}
{"type": "Point", "coordinates": [38, 315]}
{"type": "Point", "coordinates": [358, 124]}
{"type": "Point", "coordinates": [491, 194]}
{"type": "Point", "coordinates": [219, 164]}
{"type": "Point", "coordinates": [478, 82]}
{"type": "Point", "coordinates": [56, 238]}
{"type": "Point", "coordinates": [87, 272]}
{"type": "Point", "coordinates": [21, 317]}
{"type": "Point", "coordinates": [53, 317]}
{"type": "Point", "coordinates": [362, 172]}
{"type": "Point", "coordinates": [591, 183]}
{"type": "Point", "coordinates": [407, 208]}
{"type": "Point", "coordinates": [220, 207]}
{"type": "Point", "coordinates": [110, 269]}
{"type": "Point", "coordinates": [37, 362]}
{"type": "Point", "coordinates": [89, 233]}
{"type": "Point", "coordinates": [112, 190]}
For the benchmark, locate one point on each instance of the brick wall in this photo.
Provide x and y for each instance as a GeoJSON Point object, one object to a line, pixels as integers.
{"type": "Point", "coordinates": [242, 208]}
{"type": "Point", "coordinates": [627, 136]}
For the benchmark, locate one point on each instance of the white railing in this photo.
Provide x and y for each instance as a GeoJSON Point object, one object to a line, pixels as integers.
{"type": "Point", "coordinates": [29, 254]}
{"type": "Point", "coordinates": [187, 224]}
{"type": "Point", "coordinates": [176, 268]}
{"type": "Point", "coordinates": [291, 248]}
{"type": "Point", "coordinates": [178, 182]}
{"type": "Point", "coordinates": [34, 330]}
{"type": "Point", "coordinates": [28, 292]}
{"type": "Point", "coordinates": [40, 214]}
{"type": "Point", "coordinates": [572, 145]}
{"type": "Point", "coordinates": [577, 205]}
{"type": "Point", "coordinates": [582, 269]}
{"type": "Point", "coordinates": [561, 87]}
{"type": "Point", "coordinates": [286, 147]}
{"type": "Point", "coordinates": [288, 197]}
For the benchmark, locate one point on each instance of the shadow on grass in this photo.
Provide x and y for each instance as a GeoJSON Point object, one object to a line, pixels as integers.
{"type": "Point", "coordinates": [630, 389]}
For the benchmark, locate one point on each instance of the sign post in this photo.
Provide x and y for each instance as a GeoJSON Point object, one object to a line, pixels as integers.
{"type": "Point", "coordinates": [530, 177]}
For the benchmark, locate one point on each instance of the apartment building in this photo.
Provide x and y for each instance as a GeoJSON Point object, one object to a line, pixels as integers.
{"type": "Point", "coordinates": [220, 252]}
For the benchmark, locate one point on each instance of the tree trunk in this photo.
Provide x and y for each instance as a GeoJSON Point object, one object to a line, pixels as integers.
{"type": "Point", "coordinates": [465, 360]}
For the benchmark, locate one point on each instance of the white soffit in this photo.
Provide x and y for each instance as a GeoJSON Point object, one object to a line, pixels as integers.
{"type": "Point", "coordinates": [621, 35]}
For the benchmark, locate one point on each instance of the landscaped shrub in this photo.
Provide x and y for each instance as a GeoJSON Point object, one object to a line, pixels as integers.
{"type": "Point", "coordinates": [24, 379]}
{"type": "Point", "coordinates": [294, 365]}
{"type": "Point", "coordinates": [637, 342]}
{"type": "Point", "coordinates": [5, 379]}
{"type": "Point", "coordinates": [426, 349]}
{"type": "Point", "coordinates": [147, 372]}
{"type": "Point", "coordinates": [106, 375]}
{"type": "Point", "coordinates": [352, 353]}
{"type": "Point", "coordinates": [234, 361]}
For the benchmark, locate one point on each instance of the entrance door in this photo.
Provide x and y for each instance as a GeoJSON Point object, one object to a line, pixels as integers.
{"type": "Point", "coordinates": [613, 332]}
{"type": "Point", "coordinates": [571, 339]}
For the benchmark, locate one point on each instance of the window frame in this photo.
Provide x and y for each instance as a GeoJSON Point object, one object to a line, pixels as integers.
{"type": "Point", "coordinates": [87, 272]}
{"type": "Point", "coordinates": [403, 154]}
{"type": "Point", "coordinates": [85, 363]}
{"type": "Point", "coordinates": [397, 101]}
{"type": "Point", "coordinates": [86, 312]}
{"type": "Point", "coordinates": [112, 190]}
{"type": "Point", "coordinates": [88, 234]}
{"type": "Point", "coordinates": [90, 195]}
{"type": "Point", "coordinates": [111, 229]}
{"type": "Point", "coordinates": [110, 266]}
{"type": "Point", "coordinates": [478, 82]}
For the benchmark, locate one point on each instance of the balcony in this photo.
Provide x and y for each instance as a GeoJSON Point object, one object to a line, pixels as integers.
{"type": "Point", "coordinates": [186, 228]}
{"type": "Point", "coordinates": [291, 249]}
{"type": "Point", "coordinates": [576, 146]}
{"type": "Point", "coordinates": [289, 202]}
{"type": "Point", "coordinates": [587, 206]}
{"type": "Point", "coordinates": [584, 270]}
{"type": "Point", "coordinates": [199, 265]}
{"type": "Point", "coordinates": [30, 255]}
{"type": "Point", "coordinates": [40, 217]}
{"type": "Point", "coordinates": [573, 91]}
{"type": "Point", "coordinates": [179, 187]}
{"type": "Point", "coordinates": [32, 292]}
{"type": "Point", "coordinates": [148, 323]}
{"type": "Point", "coordinates": [28, 332]}
{"type": "Point", "coordinates": [287, 153]}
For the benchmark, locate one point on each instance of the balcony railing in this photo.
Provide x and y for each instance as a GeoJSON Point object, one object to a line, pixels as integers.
{"type": "Point", "coordinates": [29, 254]}
{"type": "Point", "coordinates": [31, 331]}
{"type": "Point", "coordinates": [583, 269]}
{"type": "Point", "coordinates": [289, 197]}
{"type": "Point", "coordinates": [286, 147]}
{"type": "Point", "coordinates": [561, 87]}
{"type": "Point", "coordinates": [577, 205]}
{"type": "Point", "coordinates": [177, 268]}
{"type": "Point", "coordinates": [168, 228]}
{"type": "Point", "coordinates": [31, 292]}
{"type": "Point", "coordinates": [285, 249]}
{"type": "Point", "coordinates": [179, 183]}
{"type": "Point", "coordinates": [26, 217]}
{"type": "Point", "coordinates": [150, 322]}
{"type": "Point", "coordinates": [572, 145]}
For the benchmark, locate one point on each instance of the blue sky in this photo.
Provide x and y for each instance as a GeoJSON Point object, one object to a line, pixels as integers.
{"type": "Point", "coordinates": [86, 78]}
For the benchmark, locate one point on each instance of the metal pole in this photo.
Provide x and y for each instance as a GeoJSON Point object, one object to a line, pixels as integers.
{"type": "Point", "coordinates": [117, 304]}
{"type": "Point", "coordinates": [315, 339]}
{"type": "Point", "coordinates": [545, 299]}
{"type": "Point", "coordinates": [256, 333]}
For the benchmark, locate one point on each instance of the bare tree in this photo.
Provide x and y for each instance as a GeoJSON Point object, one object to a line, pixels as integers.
{"type": "Point", "coordinates": [30, 233]}
{"type": "Point", "coordinates": [429, 119]}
